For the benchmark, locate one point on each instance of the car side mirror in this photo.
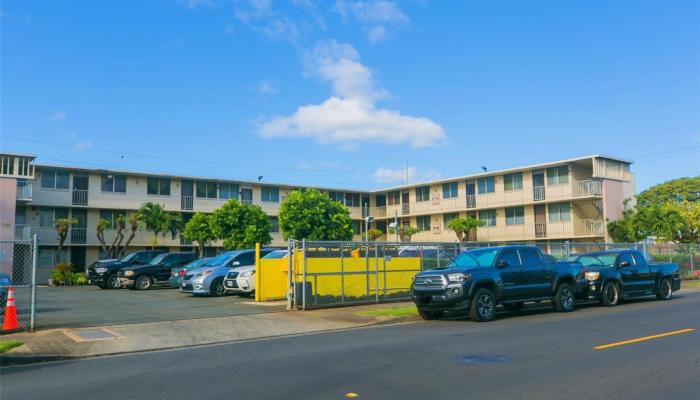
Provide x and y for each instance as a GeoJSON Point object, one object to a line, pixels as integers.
{"type": "Point", "coordinates": [501, 264]}
{"type": "Point", "coordinates": [624, 264]}
{"type": "Point", "coordinates": [235, 263]}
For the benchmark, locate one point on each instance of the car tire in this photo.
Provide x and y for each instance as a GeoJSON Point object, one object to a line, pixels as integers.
{"type": "Point", "coordinates": [217, 288]}
{"type": "Point", "coordinates": [513, 307]}
{"type": "Point", "coordinates": [430, 315]}
{"type": "Point", "coordinates": [564, 298]}
{"type": "Point", "coordinates": [112, 282]}
{"type": "Point", "coordinates": [483, 306]}
{"type": "Point", "coordinates": [143, 282]}
{"type": "Point", "coordinates": [610, 294]}
{"type": "Point", "coordinates": [665, 291]}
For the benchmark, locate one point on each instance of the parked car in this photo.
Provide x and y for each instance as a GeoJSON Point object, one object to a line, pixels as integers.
{"type": "Point", "coordinates": [209, 280]}
{"type": "Point", "coordinates": [156, 272]}
{"type": "Point", "coordinates": [103, 273]}
{"type": "Point", "coordinates": [427, 252]}
{"type": "Point", "coordinates": [478, 280]}
{"type": "Point", "coordinates": [241, 280]}
{"type": "Point", "coordinates": [5, 283]}
{"type": "Point", "coordinates": [618, 274]}
{"type": "Point", "coordinates": [177, 273]}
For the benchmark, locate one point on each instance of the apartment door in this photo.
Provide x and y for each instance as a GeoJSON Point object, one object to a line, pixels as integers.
{"type": "Point", "coordinates": [540, 221]}
{"type": "Point", "coordinates": [78, 231]}
{"type": "Point", "coordinates": [538, 185]}
{"type": "Point", "coordinates": [186, 195]}
{"type": "Point", "coordinates": [80, 190]}
{"type": "Point", "coordinates": [404, 203]}
{"type": "Point", "coordinates": [77, 258]}
{"type": "Point", "coordinates": [471, 192]}
{"type": "Point", "coordinates": [247, 196]}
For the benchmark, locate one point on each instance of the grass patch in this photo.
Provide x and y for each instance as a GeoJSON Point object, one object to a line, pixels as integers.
{"type": "Point", "coordinates": [389, 312]}
{"type": "Point", "coordinates": [691, 284]}
{"type": "Point", "coordinates": [9, 345]}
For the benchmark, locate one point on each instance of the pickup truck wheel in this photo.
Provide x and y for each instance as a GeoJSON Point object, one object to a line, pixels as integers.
{"type": "Point", "coordinates": [113, 282]}
{"type": "Point", "coordinates": [610, 294]}
{"type": "Point", "coordinates": [665, 291]}
{"type": "Point", "coordinates": [429, 315]}
{"type": "Point", "coordinates": [483, 306]}
{"type": "Point", "coordinates": [564, 298]}
{"type": "Point", "coordinates": [217, 288]}
{"type": "Point", "coordinates": [143, 282]}
{"type": "Point", "coordinates": [513, 307]}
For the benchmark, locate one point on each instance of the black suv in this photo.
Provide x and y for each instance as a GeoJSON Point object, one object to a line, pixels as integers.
{"type": "Point", "coordinates": [104, 273]}
{"type": "Point", "coordinates": [157, 271]}
{"type": "Point", "coordinates": [478, 280]}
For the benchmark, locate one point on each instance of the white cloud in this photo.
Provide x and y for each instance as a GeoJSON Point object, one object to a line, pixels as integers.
{"type": "Point", "coordinates": [267, 87]}
{"type": "Point", "coordinates": [374, 16]}
{"type": "Point", "coordinates": [350, 115]}
{"type": "Point", "coordinates": [404, 175]}
{"type": "Point", "coordinates": [58, 116]}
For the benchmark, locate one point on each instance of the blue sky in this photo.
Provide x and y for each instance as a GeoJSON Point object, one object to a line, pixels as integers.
{"type": "Point", "coordinates": [350, 93]}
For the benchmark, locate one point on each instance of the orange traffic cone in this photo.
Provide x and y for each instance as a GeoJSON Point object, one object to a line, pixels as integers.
{"type": "Point", "coordinates": [10, 321]}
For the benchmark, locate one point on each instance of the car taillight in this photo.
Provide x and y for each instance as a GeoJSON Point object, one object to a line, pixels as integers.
{"type": "Point", "coordinates": [182, 272]}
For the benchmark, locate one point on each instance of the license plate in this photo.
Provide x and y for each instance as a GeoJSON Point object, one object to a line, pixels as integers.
{"type": "Point", "coordinates": [229, 284]}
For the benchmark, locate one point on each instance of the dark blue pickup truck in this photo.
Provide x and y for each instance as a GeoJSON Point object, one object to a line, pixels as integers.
{"type": "Point", "coordinates": [618, 274]}
{"type": "Point", "coordinates": [478, 280]}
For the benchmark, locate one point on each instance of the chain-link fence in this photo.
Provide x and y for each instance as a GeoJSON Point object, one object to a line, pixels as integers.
{"type": "Point", "coordinates": [327, 274]}
{"type": "Point", "coordinates": [17, 271]}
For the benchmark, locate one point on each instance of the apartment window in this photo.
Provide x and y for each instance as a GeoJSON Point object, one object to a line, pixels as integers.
{"type": "Point", "coordinates": [423, 223]}
{"type": "Point", "coordinates": [380, 199]}
{"type": "Point", "coordinates": [558, 175]}
{"type": "Point", "coordinates": [54, 179]}
{"type": "Point", "coordinates": [111, 216]}
{"type": "Point", "coordinates": [158, 186]}
{"type": "Point", "coordinates": [356, 227]}
{"type": "Point", "coordinates": [486, 185]}
{"type": "Point", "coordinates": [423, 193]}
{"type": "Point", "coordinates": [206, 189]}
{"type": "Point", "coordinates": [559, 212]}
{"type": "Point", "coordinates": [394, 198]}
{"type": "Point", "coordinates": [47, 216]}
{"type": "Point", "coordinates": [449, 190]}
{"type": "Point", "coordinates": [512, 182]}
{"type": "Point", "coordinates": [113, 183]}
{"type": "Point", "coordinates": [274, 225]}
{"type": "Point", "coordinates": [228, 191]}
{"type": "Point", "coordinates": [8, 165]}
{"type": "Point", "coordinates": [515, 216]}
{"type": "Point", "coordinates": [488, 216]}
{"type": "Point", "coordinates": [449, 217]}
{"type": "Point", "coordinates": [352, 199]}
{"type": "Point", "coordinates": [337, 196]}
{"type": "Point", "coordinates": [270, 194]}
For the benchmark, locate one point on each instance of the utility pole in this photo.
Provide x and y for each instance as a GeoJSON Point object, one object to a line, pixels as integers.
{"type": "Point", "coordinates": [396, 224]}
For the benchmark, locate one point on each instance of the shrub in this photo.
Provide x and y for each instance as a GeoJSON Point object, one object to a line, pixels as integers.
{"type": "Point", "coordinates": [62, 274]}
{"type": "Point", "coordinates": [79, 279]}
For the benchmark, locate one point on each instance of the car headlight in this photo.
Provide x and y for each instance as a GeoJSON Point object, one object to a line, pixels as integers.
{"type": "Point", "coordinates": [203, 273]}
{"type": "Point", "coordinates": [458, 277]}
{"type": "Point", "coordinates": [128, 273]}
{"type": "Point", "coordinates": [100, 270]}
{"type": "Point", "coordinates": [592, 276]}
{"type": "Point", "coordinates": [247, 274]}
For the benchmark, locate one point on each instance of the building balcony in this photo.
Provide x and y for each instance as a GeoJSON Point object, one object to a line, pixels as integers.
{"type": "Point", "coordinates": [587, 188]}
{"type": "Point", "coordinates": [23, 233]}
{"type": "Point", "coordinates": [540, 231]}
{"type": "Point", "coordinates": [24, 190]}
{"type": "Point", "coordinates": [80, 197]}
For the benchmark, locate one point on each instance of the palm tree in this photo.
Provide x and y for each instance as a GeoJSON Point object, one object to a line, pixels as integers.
{"type": "Point", "coordinates": [159, 221]}
{"type": "Point", "coordinates": [62, 225]}
{"type": "Point", "coordinates": [134, 223]}
{"type": "Point", "coordinates": [102, 224]}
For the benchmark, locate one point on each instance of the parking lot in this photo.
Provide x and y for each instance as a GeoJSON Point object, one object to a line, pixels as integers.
{"type": "Point", "coordinates": [81, 306]}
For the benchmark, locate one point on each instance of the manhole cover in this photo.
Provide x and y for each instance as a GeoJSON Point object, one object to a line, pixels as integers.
{"type": "Point", "coordinates": [483, 359]}
{"type": "Point", "coordinates": [92, 334]}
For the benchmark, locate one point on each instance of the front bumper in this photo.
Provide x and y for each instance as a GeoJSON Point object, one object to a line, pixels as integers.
{"type": "Point", "coordinates": [240, 285]}
{"type": "Point", "coordinates": [95, 278]}
{"type": "Point", "coordinates": [194, 287]}
{"type": "Point", "coordinates": [175, 281]}
{"type": "Point", "coordinates": [452, 298]}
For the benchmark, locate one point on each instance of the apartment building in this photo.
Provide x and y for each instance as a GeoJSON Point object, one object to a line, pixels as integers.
{"type": "Point", "coordinates": [548, 204]}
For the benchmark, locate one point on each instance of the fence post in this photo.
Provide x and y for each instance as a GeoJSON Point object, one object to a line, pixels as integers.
{"type": "Point", "coordinates": [342, 274]}
{"type": "Point", "coordinates": [290, 284]}
{"type": "Point", "coordinates": [692, 262]}
{"type": "Point", "coordinates": [376, 272]}
{"type": "Point", "coordinates": [35, 261]}
{"type": "Point", "coordinates": [303, 274]}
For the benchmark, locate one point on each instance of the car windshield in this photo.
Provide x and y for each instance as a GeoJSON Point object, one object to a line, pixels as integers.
{"type": "Point", "coordinates": [473, 259]}
{"type": "Point", "coordinates": [276, 254]}
{"type": "Point", "coordinates": [221, 259]}
{"type": "Point", "coordinates": [596, 260]}
{"type": "Point", "coordinates": [198, 263]}
{"type": "Point", "coordinates": [128, 257]}
{"type": "Point", "coordinates": [158, 259]}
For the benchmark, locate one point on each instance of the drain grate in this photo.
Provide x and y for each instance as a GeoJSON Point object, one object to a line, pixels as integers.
{"type": "Point", "coordinates": [86, 335]}
{"type": "Point", "coordinates": [483, 359]}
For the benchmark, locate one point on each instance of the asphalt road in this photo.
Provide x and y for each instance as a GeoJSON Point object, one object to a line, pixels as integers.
{"type": "Point", "coordinates": [81, 306]}
{"type": "Point", "coordinates": [535, 355]}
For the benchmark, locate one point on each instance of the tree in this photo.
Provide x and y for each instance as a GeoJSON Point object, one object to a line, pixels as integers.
{"type": "Point", "coordinates": [102, 224]}
{"type": "Point", "coordinates": [133, 226]}
{"type": "Point", "coordinates": [673, 191]}
{"type": "Point", "coordinates": [159, 221]}
{"type": "Point", "coordinates": [405, 232]}
{"type": "Point", "coordinates": [374, 234]}
{"type": "Point", "coordinates": [119, 222]}
{"type": "Point", "coordinates": [62, 225]}
{"type": "Point", "coordinates": [199, 229]}
{"type": "Point", "coordinates": [240, 226]}
{"type": "Point", "coordinates": [312, 215]}
{"type": "Point", "coordinates": [462, 226]}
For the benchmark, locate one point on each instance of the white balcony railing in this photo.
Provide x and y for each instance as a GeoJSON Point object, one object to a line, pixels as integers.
{"type": "Point", "coordinates": [80, 197]}
{"type": "Point", "coordinates": [540, 229]}
{"type": "Point", "coordinates": [23, 232]}
{"type": "Point", "coordinates": [538, 193]}
{"type": "Point", "coordinates": [405, 208]}
{"type": "Point", "coordinates": [24, 190]}
{"type": "Point", "coordinates": [587, 188]}
{"type": "Point", "coordinates": [186, 202]}
{"type": "Point", "coordinates": [380, 211]}
{"type": "Point", "coordinates": [471, 201]}
{"type": "Point", "coordinates": [589, 227]}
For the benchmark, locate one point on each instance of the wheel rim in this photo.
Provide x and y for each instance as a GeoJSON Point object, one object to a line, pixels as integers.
{"type": "Point", "coordinates": [112, 281]}
{"type": "Point", "coordinates": [143, 283]}
{"type": "Point", "coordinates": [219, 289]}
{"type": "Point", "coordinates": [567, 298]}
{"type": "Point", "coordinates": [666, 289]}
{"type": "Point", "coordinates": [611, 294]}
{"type": "Point", "coordinates": [484, 306]}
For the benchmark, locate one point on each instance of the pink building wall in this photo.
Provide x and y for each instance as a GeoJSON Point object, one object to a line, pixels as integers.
{"type": "Point", "coordinates": [8, 203]}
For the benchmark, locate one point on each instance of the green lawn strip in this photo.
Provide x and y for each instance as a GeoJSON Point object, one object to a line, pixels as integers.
{"type": "Point", "coordinates": [389, 312]}
{"type": "Point", "coordinates": [9, 345]}
{"type": "Point", "coordinates": [691, 284]}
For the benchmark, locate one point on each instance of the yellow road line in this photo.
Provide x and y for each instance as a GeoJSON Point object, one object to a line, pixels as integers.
{"type": "Point", "coordinates": [642, 339]}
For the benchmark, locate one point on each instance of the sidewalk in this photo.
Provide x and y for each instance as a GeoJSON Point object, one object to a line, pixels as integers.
{"type": "Point", "coordinates": [56, 344]}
